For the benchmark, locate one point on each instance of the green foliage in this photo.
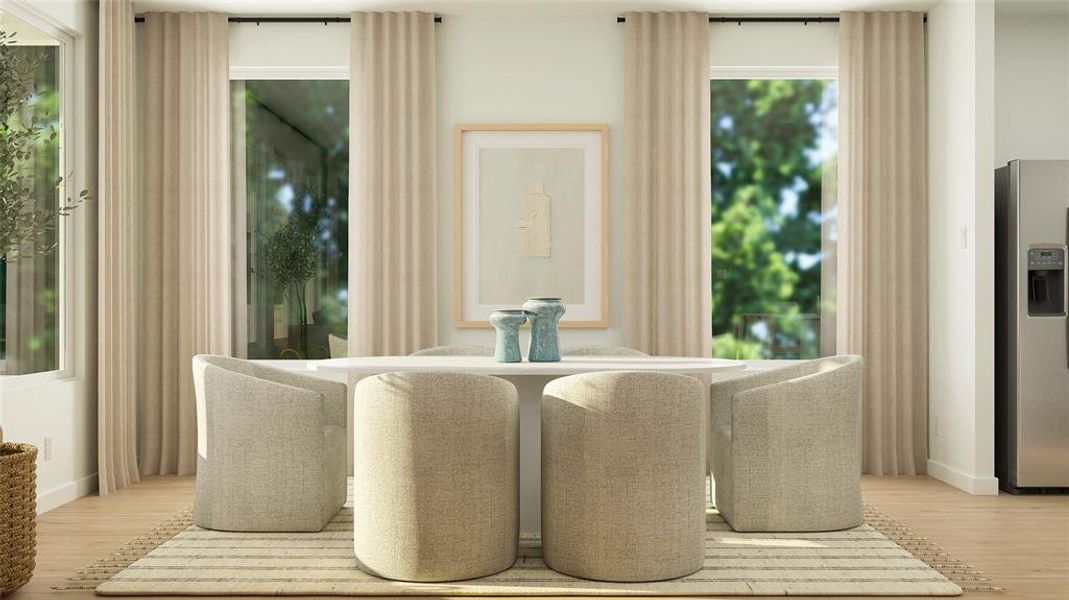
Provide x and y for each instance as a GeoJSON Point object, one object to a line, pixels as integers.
{"type": "Point", "coordinates": [766, 135]}
{"type": "Point", "coordinates": [291, 255]}
{"type": "Point", "coordinates": [28, 133]}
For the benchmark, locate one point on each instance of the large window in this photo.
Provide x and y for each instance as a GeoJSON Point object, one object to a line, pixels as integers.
{"type": "Point", "coordinates": [774, 144]}
{"type": "Point", "coordinates": [291, 166]}
{"type": "Point", "coordinates": [31, 168]}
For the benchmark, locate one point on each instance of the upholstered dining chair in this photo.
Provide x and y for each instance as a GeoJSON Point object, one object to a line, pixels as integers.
{"type": "Point", "coordinates": [435, 476]}
{"type": "Point", "coordinates": [601, 350]}
{"type": "Point", "coordinates": [270, 447]}
{"type": "Point", "coordinates": [785, 447]}
{"type": "Point", "coordinates": [623, 475]}
{"type": "Point", "coordinates": [456, 350]}
{"type": "Point", "coordinates": [338, 346]}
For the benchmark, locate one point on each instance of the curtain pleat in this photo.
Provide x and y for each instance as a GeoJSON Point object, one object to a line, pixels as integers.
{"type": "Point", "coordinates": [882, 248]}
{"type": "Point", "coordinates": [117, 284]}
{"type": "Point", "coordinates": [393, 265]}
{"type": "Point", "coordinates": [667, 182]}
{"type": "Point", "coordinates": [185, 265]}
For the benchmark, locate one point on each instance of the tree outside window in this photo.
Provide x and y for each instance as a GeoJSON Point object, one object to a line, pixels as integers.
{"type": "Point", "coordinates": [774, 149]}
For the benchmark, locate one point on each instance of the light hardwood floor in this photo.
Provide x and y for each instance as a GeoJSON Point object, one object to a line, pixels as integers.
{"type": "Point", "coordinates": [1020, 542]}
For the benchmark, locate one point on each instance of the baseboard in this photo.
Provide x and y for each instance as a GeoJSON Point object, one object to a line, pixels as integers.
{"type": "Point", "coordinates": [977, 486]}
{"type": "Point", "coordinates": [57, 497]}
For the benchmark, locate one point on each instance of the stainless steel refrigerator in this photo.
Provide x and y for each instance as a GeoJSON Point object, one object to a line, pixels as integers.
{"type": "Point", "coordinates": [1031, 329]}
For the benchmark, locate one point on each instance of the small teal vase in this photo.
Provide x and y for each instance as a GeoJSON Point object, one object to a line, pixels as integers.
{"type": "Point", "coordinates": [544, 314]}
{"type": "Point", "coordinates": [507, 323]}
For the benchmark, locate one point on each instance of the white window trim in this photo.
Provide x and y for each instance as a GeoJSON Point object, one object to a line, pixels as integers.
{"type": "Point", "coordinates": [70, 96]}
{"type": "Point", "coordinates": [763, 72]}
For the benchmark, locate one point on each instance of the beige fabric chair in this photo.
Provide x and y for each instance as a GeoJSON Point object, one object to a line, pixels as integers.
{"type": "Point", "coordinates": [436, 476]}
{"type": "Point", "coordinates": [338, 346]}
{"type": "Point", "coordinates": [623, 475]}
{"type": "Point", "coordinates": [599, 350]}
{"type": "Point", "coordinates": [785, 447]}
{"type": "Point", "coordinates": [458, 350]}
{"type": "Point", "coordinates": [270, 447]}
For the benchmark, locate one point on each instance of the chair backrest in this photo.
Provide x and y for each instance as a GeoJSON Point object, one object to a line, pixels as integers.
{"type": "Point", "coordinates": [338, 346]}
{"type": "Point", "coordinates": [727, 389]}
{"type": "Point", "coordinates": [455, 350]}
{"type": "Point", "coordinates": [601, 350]}
{"type": "Point", "coordinates": [632, 393]}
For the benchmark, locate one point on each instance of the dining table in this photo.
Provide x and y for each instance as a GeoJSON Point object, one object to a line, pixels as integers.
{"type": "Point", "coordinates": [529, 378]}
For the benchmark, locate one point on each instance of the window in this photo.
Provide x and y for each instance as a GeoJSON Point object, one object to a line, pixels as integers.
{"type": "Point", "coordinates": [291, 143]}
{"type": "Point", "coordinates": [774, 147]}
{"type": "Point", "coordinates": [30, 262]}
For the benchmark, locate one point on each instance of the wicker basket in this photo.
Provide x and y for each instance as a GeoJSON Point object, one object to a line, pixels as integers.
{"type": "Point", "coordinates": [18, 514]}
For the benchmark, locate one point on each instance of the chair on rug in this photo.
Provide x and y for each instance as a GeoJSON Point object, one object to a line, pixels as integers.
{"type": "Point", "coordinates": [435, 476]}
{"type": "Point", "coordinates": [457, 350]}
{"type": "Point", "coordinates": [270, 447]}
{"type": "Point", "coordinates": [623, 475]}
{"type": "Point", "coordinates": [785, 447]}
{"type": "Point", "coordinates": [600, 350]}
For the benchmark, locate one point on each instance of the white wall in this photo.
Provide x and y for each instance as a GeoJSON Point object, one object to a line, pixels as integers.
{"type": "Point", "coordinates": [774, 45]}
{"type": "Point", "coordinates": [961, 241]}
{"type": "Point", "coordinates": [530, 69]}
{"type": "Point", "coordinates": [65, 410]}
{"type": "Point", "coordinates": [1032, 87]}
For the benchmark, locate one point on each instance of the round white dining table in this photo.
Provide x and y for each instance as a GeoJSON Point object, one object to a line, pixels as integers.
{"type": "Point", "coordinates": [529, 379]}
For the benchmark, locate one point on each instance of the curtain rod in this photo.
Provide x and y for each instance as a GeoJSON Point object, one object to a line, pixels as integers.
{"type": "Point", "coordinates": [258, 20]}
{"type": "Point", "coordinates": [741, 20]}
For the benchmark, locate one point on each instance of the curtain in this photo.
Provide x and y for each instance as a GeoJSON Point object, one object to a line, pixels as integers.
{"type": "Point", "coordinates": [393, 264]}
{"type": "Point", "coordinates": [667, 183]}
{"type": "Point", "coordinates": [882, 254]}
{"type": "Point", "coordinates": [185, 268]}
{"type": "Point", "coordinates": [116, 286]}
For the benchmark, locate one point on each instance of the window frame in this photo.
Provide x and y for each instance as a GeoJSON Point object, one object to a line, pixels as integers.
{"type": "Point", "coordinates": [70, 96]}
{"type": "Point", "coordinates": [827, 72]}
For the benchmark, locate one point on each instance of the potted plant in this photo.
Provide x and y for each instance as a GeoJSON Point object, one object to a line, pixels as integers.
{"type": "Point", "coordinates": [291, 259]}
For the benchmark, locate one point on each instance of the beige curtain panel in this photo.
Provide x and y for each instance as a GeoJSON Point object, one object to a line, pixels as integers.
{"type": "Point", "coordinates": [116, 211]}
{"type": "Point", "coordinates": [393, 264]}
{"type": "Point", "coordinates": [185, 269]}
{"type": "Point", "coordinates": [882, 248]}
{"type": "Point", "coordinates": [667, 182]}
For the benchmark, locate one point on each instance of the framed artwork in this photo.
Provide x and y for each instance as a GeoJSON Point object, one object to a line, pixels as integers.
{"type": "Point", "coordinates": [531, 206]}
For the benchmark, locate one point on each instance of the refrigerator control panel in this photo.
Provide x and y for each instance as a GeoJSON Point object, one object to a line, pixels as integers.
{"type": "Point", "coordinates": [1046, 258]}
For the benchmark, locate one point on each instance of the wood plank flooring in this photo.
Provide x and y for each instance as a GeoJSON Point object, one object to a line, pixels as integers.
{"type": "Point", "coordinates": [1020, 542]}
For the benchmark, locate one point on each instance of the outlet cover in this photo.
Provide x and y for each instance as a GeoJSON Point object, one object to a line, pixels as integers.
{"type": "Point", "coordinates": [47, 448]}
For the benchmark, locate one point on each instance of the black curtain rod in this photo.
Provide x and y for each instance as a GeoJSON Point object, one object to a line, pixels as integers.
{"type": "Point", "coordinates": [258, 20]}
{"type": "Point", "coordinates": [741, 20]}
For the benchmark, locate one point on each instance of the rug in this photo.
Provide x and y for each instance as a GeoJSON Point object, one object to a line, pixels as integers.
{"type": "Point", "coordinates": [181, 559]}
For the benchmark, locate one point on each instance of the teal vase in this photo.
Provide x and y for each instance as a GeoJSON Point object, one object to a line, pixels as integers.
{"type": "Point", "coordinates": [544, 314]}
{"type": "Point", "coordinates": [507, 324]}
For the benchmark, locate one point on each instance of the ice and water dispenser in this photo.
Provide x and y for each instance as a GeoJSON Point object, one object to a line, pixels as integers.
{"type": "Point", "coordinates": [1046, 281]}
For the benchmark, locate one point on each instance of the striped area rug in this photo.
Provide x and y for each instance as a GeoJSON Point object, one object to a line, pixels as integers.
{"type": "Point", "coordinates": [860, 561]}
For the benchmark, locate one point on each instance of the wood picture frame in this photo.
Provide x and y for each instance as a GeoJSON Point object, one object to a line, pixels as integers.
{"type": "Point", "coordinates": [470, 311]}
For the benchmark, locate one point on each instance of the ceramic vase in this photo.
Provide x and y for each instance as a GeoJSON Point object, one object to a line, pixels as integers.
{"type": "Point", "coordinates": [507, 324]}
{"type": "Point", "coordinates": [544, 314]}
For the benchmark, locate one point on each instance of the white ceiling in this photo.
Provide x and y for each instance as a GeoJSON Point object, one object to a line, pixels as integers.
{"type": "Point", "coordinates": [447, 7]}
